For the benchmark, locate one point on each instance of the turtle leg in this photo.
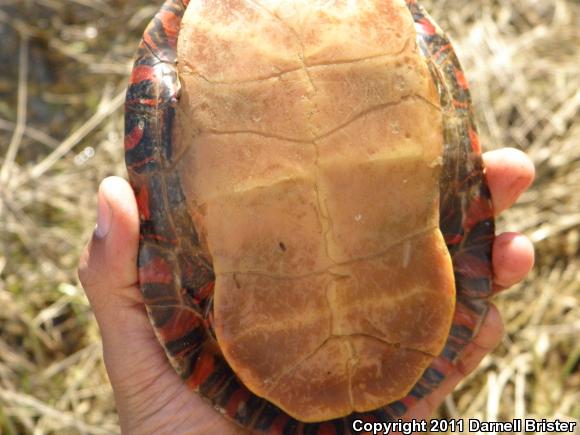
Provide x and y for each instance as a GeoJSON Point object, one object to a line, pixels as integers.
{"type": "Point", "coordinates": [466, 214]}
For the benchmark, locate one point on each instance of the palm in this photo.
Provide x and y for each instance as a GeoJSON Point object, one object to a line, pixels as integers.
{"type": "Point", "coordinates": [143, 380]}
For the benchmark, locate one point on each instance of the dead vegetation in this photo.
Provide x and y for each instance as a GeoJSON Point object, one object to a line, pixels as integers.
{"type": "Point", "coordinates": [64, 66]}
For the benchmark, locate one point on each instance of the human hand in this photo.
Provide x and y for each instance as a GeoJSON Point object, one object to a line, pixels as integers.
{"type": "Point", "coordinates": [150, 396]}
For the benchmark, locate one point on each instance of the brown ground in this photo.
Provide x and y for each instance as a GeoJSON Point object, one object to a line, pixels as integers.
{"type": "Point", "coordinates": [64, 66]}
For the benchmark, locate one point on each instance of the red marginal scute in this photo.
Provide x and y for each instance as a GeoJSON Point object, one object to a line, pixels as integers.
{"type": "Point", "coordinates": [442, 50]}
{"type": "Point", "coordinates": [156, 271]}
{"type": "Point", "coordinates": [409, 401]}
{"type": "Point", "coordinates": [442, 365]}
{"type": "Point", "coordinates": [279, 423]}
{"type": "Point", "coordinates": [152, 27]}
{"type": "Point", "coordinates": [143, 203]}
{"type": "Point", "coordinates": [479, 210]}
{"type": "Point", "coordinates": [133, 138]}
{"type": "Point", "coordinates": [205, 291]}
{"type": "Point", "coordinates": [461, 80]}
{"type": "Point", "coordinates": [151, 102]}
{"type": "Point", "coordinates": [171, 25]}
{"type": "Point", "coordinates": [453, 239]}
{"type": "Point", "coordinates": [460, 104]}
{"type": "Point", "coordinates": [204, 366]}
{"type": "Point", "coordinates": [465, 317]}
{"type": "Point", "coordinates": [427, 26]}
{"type": "Point", "coordinates": [237, 399]}
{"type": "Point", "coordinates": [142, 73]}
{"type": "Point", "coordinates": [179, 326]}
{"type": "Point", "coordinates": [474, 139]}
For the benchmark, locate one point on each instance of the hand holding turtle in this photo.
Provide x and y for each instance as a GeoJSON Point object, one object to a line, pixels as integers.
{"type": "Point", "coordinates": [150, 396]}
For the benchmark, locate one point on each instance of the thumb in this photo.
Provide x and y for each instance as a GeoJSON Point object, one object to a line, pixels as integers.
{"type": "Point", "coordinates": [108, 266]}
{"type": "Point", "coordinates": [135, 362]}
{"type": "Point", "coordinates": [108, 270]}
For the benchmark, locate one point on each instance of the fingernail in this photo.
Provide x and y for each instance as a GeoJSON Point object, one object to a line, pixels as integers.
{"type": "Point", "coordinates": [104, 217]}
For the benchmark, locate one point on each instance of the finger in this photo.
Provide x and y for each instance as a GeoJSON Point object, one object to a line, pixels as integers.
{"type": "Point", "coordinates": [108, 272]}
{"type": "Point", "coordinates": [488, 337]}
{"type": "Point", "coordinates": [108, 266]}
{"type": "Point", "coordinates": [513, 258]}
{"type": "Point", "coordinates": [509, 173]}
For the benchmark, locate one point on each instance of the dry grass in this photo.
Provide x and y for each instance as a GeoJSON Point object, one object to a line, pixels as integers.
{"type": "Point", "coordinates": [63, 70]}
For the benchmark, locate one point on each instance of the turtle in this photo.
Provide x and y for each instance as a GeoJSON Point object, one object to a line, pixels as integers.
{"type": "Point", "coordinates": [316, 228]}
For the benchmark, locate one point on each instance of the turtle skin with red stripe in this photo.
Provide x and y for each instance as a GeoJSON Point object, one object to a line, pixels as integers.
{"type": "Point", "coordinates": [177, 279]}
